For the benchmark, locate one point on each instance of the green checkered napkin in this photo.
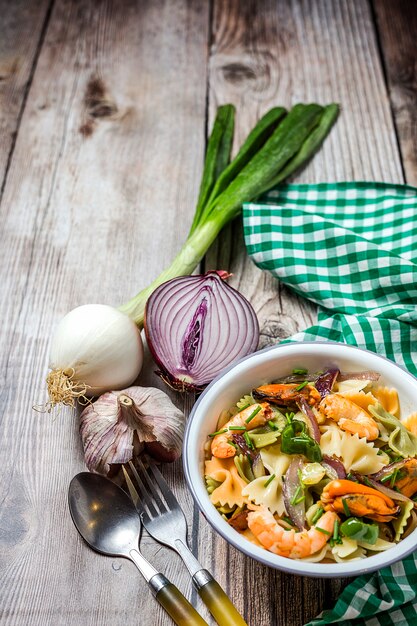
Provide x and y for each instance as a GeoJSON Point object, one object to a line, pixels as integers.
{"type": "Point", "coordinates": [352, 249]}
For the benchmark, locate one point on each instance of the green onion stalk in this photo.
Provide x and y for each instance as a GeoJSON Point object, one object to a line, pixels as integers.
{"type": "Point", "coordinates": [280, 144]}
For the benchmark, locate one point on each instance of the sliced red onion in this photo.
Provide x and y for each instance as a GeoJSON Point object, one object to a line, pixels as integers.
{"type": "Point", "coordinates": [333, 467]}
{"type": "Point", "coordinates": [297, 512]}
{"type": "Point", "coordinates": [196, 326]}
{"type": "Point", "coordinates": [241, 443]}
{"type": "Point", "coordinates": [325, 382]}
{"type": "Point", "coordinates": [258, 467]}
{"type": "Point", "coordinates": [295, 378]}
{"type": "Point", "coordinates": [305, 408]}
{"type": "Point", "coordinates": [388, 469]}
{"type": "Point", "coordinates": [391, 493]}
{"type": "Point", "coordinates": [370, 375]}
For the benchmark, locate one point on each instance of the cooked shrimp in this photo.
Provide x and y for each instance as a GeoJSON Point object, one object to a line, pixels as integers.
{"type": "Point", "coordinates": [349, 416]}
{"type": "Point", "coordinates": [221, 446]}
{"type": "Point", "coordinates": [289, 543]}
{"type": "Point", "coordinates": [360, 500]}
{"type": "Point", "coordinates": [285, 394]}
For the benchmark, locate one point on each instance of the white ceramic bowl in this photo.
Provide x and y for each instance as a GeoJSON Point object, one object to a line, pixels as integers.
{"type": "Point", "coordinates": [260, 368]}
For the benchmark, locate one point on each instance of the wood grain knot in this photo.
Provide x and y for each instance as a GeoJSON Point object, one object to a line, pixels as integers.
{"type": "Point", "coordinates": [273, 331]}
{"type": "Point", "coordinates": [97, 101]}
{"type": "Point", "coordinates": [238, 72]}
{"type": "Point", "coordinates": [255, 72]}
{"type": "Point", "coordinates": [98, 104]}
{"type": "Point", "coordinates": [8, 68]}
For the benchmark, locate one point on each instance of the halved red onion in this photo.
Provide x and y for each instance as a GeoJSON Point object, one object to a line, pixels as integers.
{"type": "Point", "coordinates": [196, 326]}
{"type": "Point", "coordinates": [311, 418]}
{"type": "Point", "coordinates": [297, 512]}
{"type": "Point", "coordinates": [325, 382]}
{"type": "Point", "coordinates": [333, 467]}
{"type": "Point", "coordinates": [370, 375]}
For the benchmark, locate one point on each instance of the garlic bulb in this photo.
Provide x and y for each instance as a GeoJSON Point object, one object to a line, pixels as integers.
{"type": "Point", "coordinates": [121, 424]}
{"type": "Point", "coordinates": [95, 348]}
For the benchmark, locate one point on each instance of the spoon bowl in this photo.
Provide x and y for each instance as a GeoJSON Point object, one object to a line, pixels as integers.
{"type": "Point", "coordinates": [104, 515]}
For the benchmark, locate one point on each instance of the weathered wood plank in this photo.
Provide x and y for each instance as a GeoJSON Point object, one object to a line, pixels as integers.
{"type": "Point", "coordinates": [99, 197]}
{"type": "Point", "coordinates": [22, 29]}
{"type": "Point", "coordinates": [280, 53]}
{"type": "Point", "coordinates": [397, 27]}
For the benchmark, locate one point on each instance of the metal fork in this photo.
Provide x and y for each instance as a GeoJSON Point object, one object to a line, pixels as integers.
{"type": "Point", "coordinates": [164, 520]}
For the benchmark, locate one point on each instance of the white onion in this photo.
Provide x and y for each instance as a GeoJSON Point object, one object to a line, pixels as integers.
{"type": "Point", "coordinates": [95, 348]}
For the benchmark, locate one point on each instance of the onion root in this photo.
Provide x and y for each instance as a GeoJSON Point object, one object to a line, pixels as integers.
{"type": "Point", "coordinates": [63, 389]}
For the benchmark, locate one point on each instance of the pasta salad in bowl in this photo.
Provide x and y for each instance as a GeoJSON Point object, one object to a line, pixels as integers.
{"type": "Point", "coordinates": [304, 456]}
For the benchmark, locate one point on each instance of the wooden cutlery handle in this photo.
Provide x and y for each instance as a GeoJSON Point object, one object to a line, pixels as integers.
{"type": "Point", "coordinates": [219, 604]}
{"type": "Point", "coordinates": [178, 607]}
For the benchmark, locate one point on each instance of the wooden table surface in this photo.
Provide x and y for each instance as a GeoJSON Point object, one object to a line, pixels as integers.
{"type": "Point", "coordinates": [105, 107]}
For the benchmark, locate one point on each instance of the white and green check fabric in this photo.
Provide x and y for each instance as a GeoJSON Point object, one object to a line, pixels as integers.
{"type": "Point", "coordinates": [352, 249]}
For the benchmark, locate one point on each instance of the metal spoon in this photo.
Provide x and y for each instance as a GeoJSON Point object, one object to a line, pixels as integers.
{"type": "Point", "coordinates": [106, 518]}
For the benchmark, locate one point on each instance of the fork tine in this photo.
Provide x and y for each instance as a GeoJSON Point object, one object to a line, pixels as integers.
{"type": "Point", "coordinates": [133, 493]}
{"type": "Point", "coordinates": [144, 498]}
{"type": "Point", "coordinates": [171, 500]}
{"type": "Point", "coordinates": [149, 488]}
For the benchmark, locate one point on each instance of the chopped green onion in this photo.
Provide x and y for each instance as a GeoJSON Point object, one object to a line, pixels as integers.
{"type": "Point", "coordinates": [331, 542]}
{"type": "Point", "coordinates": [218, 432]}
{"type": "Point", "coordinates": [237, 428]}
{"type": "Point", "coordinates": [270, 479]}
{"type": "Point", "coordinates": [302, 385]}
{"type": "Point", "coordinates": [394, 477]}
{"type": "Point", "coordinates": [272, 425]}
{"type": "Point", "coordinates": [245, 406]}
{"type": "Point", "coordinates": [300, 499]}
{"type": "Point", "coordinates": [300, 477]}
{"type": "Point", "coordinates": [397, 475]}
{"type": "Point", "coordinates": [367, 482]}
{"type": "Point", "coordinates": [322, 530]}
{"type": "Point", "coordinates": [253, 414]}
{"type": "Point", "coordinates": [336, 530]}
{"type": "Point", "coordinates": [346, 508]}
{"type": "Point", "coordinates": [299, 371]}
{"type": "Point", "coordinates": [288, 520]}
{"type": "Point", "coordinates": [317, 515]}
{"type": "Point", "coordinates": [386, 478]}
{"type": "Point", "coordinates": [248, 441]}
{"type": "Point", "coordinates": [295, 496]}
